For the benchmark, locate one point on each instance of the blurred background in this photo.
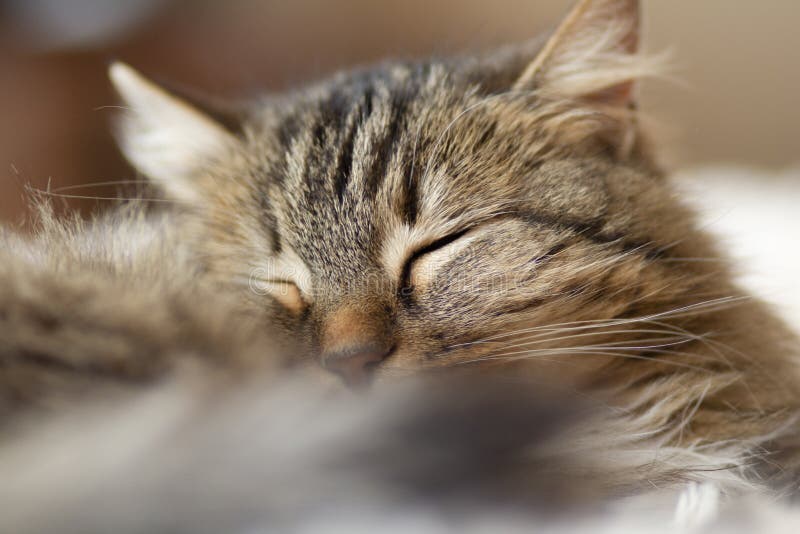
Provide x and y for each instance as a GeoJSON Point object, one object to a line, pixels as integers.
{"type": "Point", "coordinates": [732, 99]}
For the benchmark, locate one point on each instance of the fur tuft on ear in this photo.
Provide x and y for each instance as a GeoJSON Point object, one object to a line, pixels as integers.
{"type": "Point", "coordinates": [593, 55]}
{"type": "Point", "coordinates": [164, 137]}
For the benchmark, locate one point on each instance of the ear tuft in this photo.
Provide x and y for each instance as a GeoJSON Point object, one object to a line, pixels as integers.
{"type": "Point", "coordinates": [164, 137]}
{"type": "Point", "coordinates": [593, 55]}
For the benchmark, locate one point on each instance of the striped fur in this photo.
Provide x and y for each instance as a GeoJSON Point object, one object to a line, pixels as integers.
{"type": "Point", "coordinates": [501, 214]}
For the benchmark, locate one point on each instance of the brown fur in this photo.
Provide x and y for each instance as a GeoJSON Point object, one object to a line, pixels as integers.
{"type": "Point", "coordinates": [503, 212]}
{"type": "Point", "coordinates": [92, 308]}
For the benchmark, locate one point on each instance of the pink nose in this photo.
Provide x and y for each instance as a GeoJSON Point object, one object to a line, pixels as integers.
{"type": "Point", "coordinates": [355, 364]}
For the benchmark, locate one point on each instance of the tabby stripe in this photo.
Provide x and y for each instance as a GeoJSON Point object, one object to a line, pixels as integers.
{"type": "Point", "coordinates": [593, 231]}
{"type": "Point", "coordinates": [411, 204]}
{"type": "Point", "coordinates": [269, 223]}
{"type": "Point", "coordinates": [344, 167]}
{"type": "Point", "coordinates": [385, 149]}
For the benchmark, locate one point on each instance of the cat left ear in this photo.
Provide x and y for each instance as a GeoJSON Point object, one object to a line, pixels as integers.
{"type": "Point", "coordinates": [591, 56]}
{"type": "Point", "coordinates": [165, 137]}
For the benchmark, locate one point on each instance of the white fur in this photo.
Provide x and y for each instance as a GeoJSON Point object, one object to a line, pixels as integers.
{"type": "Point", "coordinates": [164, 137]}
{"type": "Point", "coordinates": [698, 505]}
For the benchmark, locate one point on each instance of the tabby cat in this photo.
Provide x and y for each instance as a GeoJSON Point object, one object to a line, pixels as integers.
{"type": "Point", "coordinates": [502, 214]}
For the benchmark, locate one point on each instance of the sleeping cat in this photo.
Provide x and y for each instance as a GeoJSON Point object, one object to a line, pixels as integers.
{"type": "Point", "coordinates": [501, 214]}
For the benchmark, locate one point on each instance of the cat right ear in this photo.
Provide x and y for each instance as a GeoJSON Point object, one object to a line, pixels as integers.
{"type": "Point", "coordinates": [165, 137]}
{"type": "Point", "coordinates": [592, 55]}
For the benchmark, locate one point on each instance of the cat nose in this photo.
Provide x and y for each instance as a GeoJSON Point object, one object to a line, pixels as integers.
{"type": "Point", "coordinates": [355, 364]}
{"type": "Point", "coordinates": [354, 339]}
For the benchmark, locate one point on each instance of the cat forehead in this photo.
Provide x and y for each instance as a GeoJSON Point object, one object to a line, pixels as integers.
{"type": "Point", "coordinates": [378, 133]}
{"type": "Point", "coordinates": [402, 153]}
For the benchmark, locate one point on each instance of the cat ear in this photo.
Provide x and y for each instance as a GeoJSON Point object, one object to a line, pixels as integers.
{"type": "Point", "coordinates": [165, 137]}
{"type": "Point", "coordinates": [591, 56]}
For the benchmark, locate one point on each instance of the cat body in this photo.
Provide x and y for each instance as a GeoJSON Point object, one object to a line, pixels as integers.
{"type": "Point", "coordinates": [502, 215]}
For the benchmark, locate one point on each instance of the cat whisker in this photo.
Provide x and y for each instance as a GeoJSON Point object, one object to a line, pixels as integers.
{"type": "Point", "coordinates": [706, 339]}
{"type": "Point", "coordinates": [719, 348]}
{"type": "Point", "coordinates": [659, 346]}
{"type": "Point", "coordinates": [53, 194]}
{"type": "Point", "coordinates": [113, 106]}
{"type": "Point", "coordinates": [699, 307]}
{"type": "Point", "coordinates": [571, 336]}
{"type": "Point", "coordinates": [99, 184]}
{"type": "Point", "coordinates": [676, 339]}
{"type": "Point", "coordinates": [584, 351]}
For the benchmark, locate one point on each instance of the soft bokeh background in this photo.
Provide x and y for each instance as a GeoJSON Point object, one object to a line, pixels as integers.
{"type": "Point", "coordinates": [733, 100]}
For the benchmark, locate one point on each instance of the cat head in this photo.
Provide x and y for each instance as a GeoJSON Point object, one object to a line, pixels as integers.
{"type": "Point", "coordinates": [431, 213]}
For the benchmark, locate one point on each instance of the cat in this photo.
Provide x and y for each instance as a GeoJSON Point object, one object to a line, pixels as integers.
{"type": "Point", "coordinates": [502, 214]}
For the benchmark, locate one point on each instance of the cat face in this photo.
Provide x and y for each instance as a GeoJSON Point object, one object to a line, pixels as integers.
{"type": "Point", "coordinates": [430, 214]}
{"type": "Point", "coordinates": [419, 231]}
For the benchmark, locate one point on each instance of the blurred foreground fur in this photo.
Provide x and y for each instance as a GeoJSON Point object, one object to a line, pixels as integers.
{"type": "Point", "coordinates": [112, 303]}
{"type": "Point", "coordinates": [283, 456]}
{"type": "Point", "coordinates": [430, 456]}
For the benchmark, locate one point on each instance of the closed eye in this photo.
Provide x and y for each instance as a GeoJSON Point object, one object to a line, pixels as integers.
{"type": "Point", "coordinates": [284, 291]}
{"type": "Point", "coordinates": [406, 286]}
